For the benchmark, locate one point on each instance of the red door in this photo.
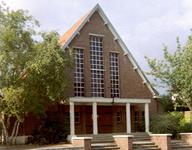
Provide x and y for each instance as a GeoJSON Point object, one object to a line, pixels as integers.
{"type": "Point", "coordinates": [88, 120]}
{"type": "Point", "coordinates": [104, 119]}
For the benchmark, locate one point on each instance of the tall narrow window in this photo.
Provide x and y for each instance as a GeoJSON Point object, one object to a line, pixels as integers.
{"type": "Point", "coordinates": [97, 67]}
{"type": "Point", "coordinates": [118, 116]}
{"type": "Point", "coordinates": [79, 73]}
{"type": "Point", "coordinates": [114, 74]}
{"type": "Point", "coordinates": [77, 117]}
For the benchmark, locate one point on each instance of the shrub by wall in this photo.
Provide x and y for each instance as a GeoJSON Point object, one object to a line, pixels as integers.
{"type": "Point", "coordinates": [171, 122]}
{"type": "Point", "coordinates": [53, 130]}
{"type": "Point", "coordinates": [166, 123]}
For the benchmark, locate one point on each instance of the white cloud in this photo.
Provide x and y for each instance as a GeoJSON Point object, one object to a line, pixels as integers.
{"type": "Point", "coordinates": [187, 4]}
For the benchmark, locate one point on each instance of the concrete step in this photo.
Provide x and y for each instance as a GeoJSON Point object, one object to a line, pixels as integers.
{"type": "Point", "coordinates": [183, 145]}
{"type": "Point", "coordinates": [103, 146]}
{"type": "Point", "coordinates": [141, 139]}
{"type": "Point", "coordinates": [180, 145]}
{"type": "Point", "coordinates": [103, 142]}
{"type": "Point", "coordinates": [147, 149]}
{"type": "Point", "coordinates": [102, 138]}
{"type": "Point", "coordinates": [144, 137]}
{"type": "Point", "coordinates": [183, 149]}
{"type": "Point", "coordinates": [144, 144]}
{"type": "Point", "coordinates": [151, 145]}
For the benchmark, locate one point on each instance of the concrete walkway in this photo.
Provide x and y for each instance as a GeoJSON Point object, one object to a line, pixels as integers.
{"type": "Point", "coordinates": [42, 147]}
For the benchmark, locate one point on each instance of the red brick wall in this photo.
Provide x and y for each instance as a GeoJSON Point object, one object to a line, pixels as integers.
{"type": "Point", "coordinates": [107, 121]}
{"type": "Point", "coordinates": [131, 84]}
{"type": "Point", "coordinates": [33, 122]}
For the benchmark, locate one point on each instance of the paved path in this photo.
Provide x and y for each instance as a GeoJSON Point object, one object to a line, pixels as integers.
{"type": "Point", "coordinates": [37, 147]}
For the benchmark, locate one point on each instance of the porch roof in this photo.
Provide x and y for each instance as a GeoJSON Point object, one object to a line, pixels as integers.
{"type": "Point", "coordinates": [108, 100]}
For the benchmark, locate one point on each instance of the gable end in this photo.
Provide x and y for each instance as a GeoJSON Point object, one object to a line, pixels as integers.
{"type": "Point", "coordinates": [80, 24]}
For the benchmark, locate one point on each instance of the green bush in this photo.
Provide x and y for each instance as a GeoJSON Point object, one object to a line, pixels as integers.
{"type": "Point", "coordinates": [166, 123]}
{"type": "Point", "coordinates": [185, 126]}
{"type": "Point", "coordinates": [53, 130]}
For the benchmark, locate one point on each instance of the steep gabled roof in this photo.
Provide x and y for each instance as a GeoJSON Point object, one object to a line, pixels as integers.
{"type": "Point", "coordinates": [67, 36]}
{"type": "Point", "coordinates": [66, 39]}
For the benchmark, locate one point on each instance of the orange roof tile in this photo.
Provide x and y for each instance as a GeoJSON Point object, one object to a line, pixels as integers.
{"type": "Point", "coordinates": [63, 39]}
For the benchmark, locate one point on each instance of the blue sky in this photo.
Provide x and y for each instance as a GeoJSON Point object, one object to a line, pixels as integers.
{"type": "Point", "coordinates": [144, 25]}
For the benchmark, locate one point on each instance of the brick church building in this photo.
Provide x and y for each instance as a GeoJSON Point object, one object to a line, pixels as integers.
{"type": "Point", "coordinates": [111, 93]}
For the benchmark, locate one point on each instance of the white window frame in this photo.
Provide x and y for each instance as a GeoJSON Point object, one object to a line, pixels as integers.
{"type": "Point", "coordinates": [79, 79]}
{"type": "Point", "coordinates": [97, 66]}
{"type": "Point", "coordinates": [114, 74]}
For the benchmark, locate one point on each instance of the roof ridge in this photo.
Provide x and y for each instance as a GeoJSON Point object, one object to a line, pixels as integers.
{"type": "Point", "coordinates": [73, 31]}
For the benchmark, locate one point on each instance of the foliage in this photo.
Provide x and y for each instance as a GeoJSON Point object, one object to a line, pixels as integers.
{"type": "Point", "coordinates": [53, 130]}
{"type": "Point", "coordinates": [167, 103]}
{"type": "Point", "coordinates": [171, 122]}
{"type": "Point", "coordinates": [12, 105]}
{"type": "Point", "coordinates": [185, 126]}
{"type": "Point", "coordinates": [166, 123]}
{"type": "Point", "coordinates": [12, 102]}
{"type": "Point", "coordinates": [47, 76]}
{"type": "Point", "coordinates": [33, 72]}
{"type": "Point", "coordinates": [175, 71]}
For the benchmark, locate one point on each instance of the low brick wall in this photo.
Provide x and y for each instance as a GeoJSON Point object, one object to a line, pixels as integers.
{"type": "Point", "coordinates": [82, 141]}
{"type": "Point", "coordinates": [20, 140]}
{"type": "Point", "coordinates": [186, 137]}
{"type": "Point", "coordinates": [163, 141]}
{"type": "Point", "coordinates": [125, 142]}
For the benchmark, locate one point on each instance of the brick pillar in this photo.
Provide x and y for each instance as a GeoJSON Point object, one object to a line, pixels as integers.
{"type": "Point", "coordinates": [125, 142]}
{"type": "Point", "coordinates": [84, 142]}
{"type": "Point", "coordinates": [163, 141]}
{"type": "Point", "coordinates": [186, 137]}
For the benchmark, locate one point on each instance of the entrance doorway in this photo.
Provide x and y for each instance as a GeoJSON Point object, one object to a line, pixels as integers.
{"type": "Point", "coordinates": [105, 118]}
{"type": "Point", "coordinates": [137, 119]}
{"type": "Point", "coordinates": [88, 120]}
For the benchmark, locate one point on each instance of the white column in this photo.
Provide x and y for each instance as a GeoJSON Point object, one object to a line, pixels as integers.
{"type": "Point", "coordinates": [128, 117]}
{"type": "Point", "coordinates": [72, 119]}
{"type": "Point", "coordinates": [146, 117]}
{"type": "Point", "coordinates": [94, 116]}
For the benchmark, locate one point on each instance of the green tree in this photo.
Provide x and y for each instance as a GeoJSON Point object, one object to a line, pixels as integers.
{"type": "Point", "coordinates": [167, 103]}
{"type": "Point", "coordinates": [33, 73]}
{"type": "Point", "coordinates": [12, 105]}
{"type": "Point", "coordinates": [175, 72]}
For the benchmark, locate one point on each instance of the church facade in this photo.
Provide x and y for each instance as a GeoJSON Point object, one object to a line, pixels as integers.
{"type": "Point", "coordinates": [111, 93]}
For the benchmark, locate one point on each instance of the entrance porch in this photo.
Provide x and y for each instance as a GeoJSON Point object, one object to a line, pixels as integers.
{"type": "Point", "coordinates": [105, 115]}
